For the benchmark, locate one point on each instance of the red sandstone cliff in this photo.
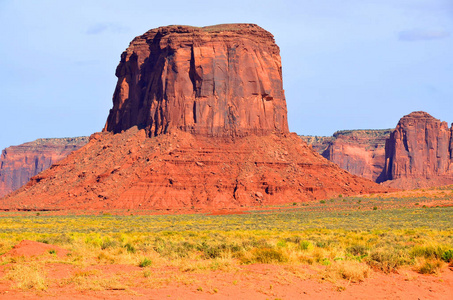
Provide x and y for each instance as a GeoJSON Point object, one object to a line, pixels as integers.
{"type": "Point", "coordinates": [198, 120]}
{"type": "Point", "coordinates": [360, 152]}
{"type": "Point", "coordinates": [223, 80]}
{"type": "Point", "coordinates": [419, 152]}
{"type": "Point", "coordinates": [19, 163]}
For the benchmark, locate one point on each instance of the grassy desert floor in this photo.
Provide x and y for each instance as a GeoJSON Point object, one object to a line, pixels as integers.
{"type": "Point", "coordinates": [397, 245]}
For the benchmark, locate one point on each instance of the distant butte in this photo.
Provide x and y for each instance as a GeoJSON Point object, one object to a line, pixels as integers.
{"type": "Point", "coordinates": [198, 121]}
{"type": "Point", "coordinates": [417, 153]}
{"type": "Point", "coordinates": [19, 163]}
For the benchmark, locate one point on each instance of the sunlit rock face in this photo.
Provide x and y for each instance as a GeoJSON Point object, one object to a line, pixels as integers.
{"type": "Point", "coordinates": [19, 163]}
{"type": "Point", "coordinates": [419, 152]}
{"type": "Point", "coordinates": [223, 80]}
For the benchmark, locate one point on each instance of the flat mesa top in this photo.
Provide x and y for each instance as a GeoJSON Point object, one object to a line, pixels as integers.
{"type": "Point", "coordinates": [418, 115]}
{"type": "Point", "coordinates": [215, 28]}
{"type": "Point", "coordinates": [241, 28]}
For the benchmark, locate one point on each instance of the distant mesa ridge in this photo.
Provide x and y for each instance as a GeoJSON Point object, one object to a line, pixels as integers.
{"type": "Point", "coordinates": [19, 163]}
{"type": "Point", "coordinates": [417, 153]}
{"type": "Point", "coordinates": [360, 152]}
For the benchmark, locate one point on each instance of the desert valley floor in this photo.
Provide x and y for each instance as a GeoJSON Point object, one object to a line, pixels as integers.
{"type": "Point", "coordinates": [382, 246]}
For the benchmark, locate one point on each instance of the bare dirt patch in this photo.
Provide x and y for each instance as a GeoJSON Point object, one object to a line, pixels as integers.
{"type": "Point", "coordinates": [257, 281]}
{"type": "Point", "coordinates": [31, 248]}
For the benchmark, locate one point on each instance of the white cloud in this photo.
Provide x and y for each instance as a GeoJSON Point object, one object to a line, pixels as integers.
{"type": "Point", "coordinates": [99, 28]}
{"type": "Point", "coordinates": [422, 34]}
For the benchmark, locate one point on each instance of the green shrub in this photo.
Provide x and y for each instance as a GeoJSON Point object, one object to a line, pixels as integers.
{"type": "Point", "coordinates": [357, 250]}
{"type": "Point", "coordinates": [430, 267]}
{"type": "Point", "coordinates": [107, 243]}
{"type": "Point", "coordinates": [211, 251]}
{"type": "Point", "coordinates": [385, 260]}
{"type": "Point", "coordinates": [145, 263]}
{"type": "Point", "coordinates": [130, 248]}
{"type": "Point", "coordinates": [281, 244]}
{"type": "Point", "coordinates": [447, 256]}
{"type": "Point", "coordinates": [432, 252]}
{"type": "Point", "coordinates": [305, 245]}
{"type": "Point", "coordinates": [268, 255]}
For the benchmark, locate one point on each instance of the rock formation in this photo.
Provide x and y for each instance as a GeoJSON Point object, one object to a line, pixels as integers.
{"type": "Point", "coordinates": [223, 80]}
{"type": "Point", "coordinates": [184, 171]}
{"type": "Point", "coordinates": [318, 143]}
{"type": "Point", "coordinates": [419, 152]}
{"type": "Point", "coordinates": [198, 121]}
{"type": "Point", "coordinates": [360, 152]}
{"type": "Point", "coordinates": [19, 163]}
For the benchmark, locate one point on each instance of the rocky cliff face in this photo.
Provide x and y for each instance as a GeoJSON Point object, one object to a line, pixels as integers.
{"type": "Point", "coordinates": [360, 152]}
{"type": "Point", "coordinates": [223, 80]}
{"type": "Point", "coordinates": [419, 152]}
{"type": "Point", "coordinates": [198, 121]}
{"type": "Point", "coordinates": [19, 163]}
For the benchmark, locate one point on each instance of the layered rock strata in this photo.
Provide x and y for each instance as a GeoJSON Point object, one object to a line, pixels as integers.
{"type": "Point", "coordinates": [419, 152]}
{"type": "Point", "coordinates": [19, 163]}
{"type": "Point", "coordinates": [360, 152]}
{"type": "Point", "coordinates": [223, 80]}
{"type": "Point", "coordinates": [184, 171]}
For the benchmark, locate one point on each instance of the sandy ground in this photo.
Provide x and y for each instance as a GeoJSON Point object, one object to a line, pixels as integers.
{"type": "Point", "coordinates": [258, 281]}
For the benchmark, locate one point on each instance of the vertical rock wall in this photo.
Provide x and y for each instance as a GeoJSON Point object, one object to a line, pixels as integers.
{"type": "Point", "coordinates": [223, 80]}
{"type": "Point", "coordinates": [419, 148]}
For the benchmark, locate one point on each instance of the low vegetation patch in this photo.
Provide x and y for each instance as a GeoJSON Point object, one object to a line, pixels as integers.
{"type": "Point", "coordinates": [27, 276]}
{"type": "Point", "coordinates": [348, 243]}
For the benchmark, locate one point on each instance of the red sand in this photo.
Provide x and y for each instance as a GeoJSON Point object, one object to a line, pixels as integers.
{"type": "Point", "coordinates": [258, 281]}
{"type": "Point", "coordinates": [248, 282]}
{"type": "Point", "coordinates": [30, 248]}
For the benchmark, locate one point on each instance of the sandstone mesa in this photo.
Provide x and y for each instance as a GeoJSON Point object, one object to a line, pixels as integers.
{"type": "Point", "coordinates": [198, 121]}
{"type": "Point", "coordinates": [223, 80]}
{"type": "Point", "coordinates": [19, 163]}
{"type": "Point", "coordinates": [416, 154]}
{"type": "Point", "coordinates": [419, 152]}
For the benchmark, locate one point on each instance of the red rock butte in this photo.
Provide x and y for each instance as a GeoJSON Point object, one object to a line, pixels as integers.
{"type": "Point", "coordinates": [223, 80]}
{"type": "Point", "coordinates": [198, 121]}
{"type": "Point", "coordinates": [419, 152]}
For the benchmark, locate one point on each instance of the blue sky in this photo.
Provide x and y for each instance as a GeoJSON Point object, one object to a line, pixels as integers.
{"type": "Point", "coordinates": [347, 64]}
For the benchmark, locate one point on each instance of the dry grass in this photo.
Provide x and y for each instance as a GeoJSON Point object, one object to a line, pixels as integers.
{"type": "Point", "coordinates": [95, 280]}
{"type": "Point", "coordinates": [343, 245]}
{"type": "Point", "coordinates": [353, 271]}
{"type": "Point", "coordinates": [428, 266]}
{"type": "Point", "coordinates": [27, 276]}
